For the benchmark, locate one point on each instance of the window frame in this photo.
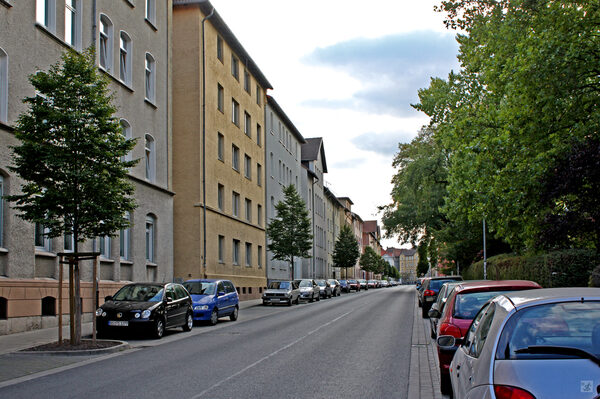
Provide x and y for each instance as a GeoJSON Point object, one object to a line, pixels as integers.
{"type": "Point", "coordinates": [248, 254]}
{"type": "Point", "coordinates": [235, 67]}
{"type": "Point", "coordinates": [150, 238]}
{"type": "Point", "coordinates": [128, 134]}
{"type": "Point", "coordinates": [220, 197]}
{"type": "Point", "coordinates": [235, 112]}
{"type": "Point", "coordinates": [220, 48]}
{"type": "Point", "coordinates": [247, 167]}
{"type": "Point", "coordinates": [125, 52]}
{"type": "Point", "coordinates": [248, 209]}
{"type": "Point", "coordinates": [105, 43]}
{"type": "Point", "coordinates": [235, 252]}
{"type": "Point", "coordinates": [45, 14]}
{"type": "Point", "coordinates": [247, 81]}
{"type": "Point", "coordinates": [150, 78]}
{"type": "Point", "coordinates": [150, 11]}
{"type": "Point", "coordinates": [235, 204]}
{"type": "Point", "coordinates": [125, 239]}
{"type": "Point", "coordinates": [41, 232]}
{"type": "Point", "coordinates": [73, 37]}
{"type": "Point", "coordinates": [220, 146]}
{"type": "Point", "coordinates": [221, 248]}
{"type": "Point", "coordinates": [220, 98]}
{"type": "Point", "coordinates": [235, 157]}
{"type": "Point", "coordinates": [258, 174]}
{"type": "Point", "coordinates": [150, 157]}
{"type": "Point", "coordinates": [247, 124]}
{"type": "Point", "coordinates": [3, 86]}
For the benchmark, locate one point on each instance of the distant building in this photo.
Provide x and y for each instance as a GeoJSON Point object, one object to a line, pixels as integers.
{"type": "Point", "coordinates": [403, 259]}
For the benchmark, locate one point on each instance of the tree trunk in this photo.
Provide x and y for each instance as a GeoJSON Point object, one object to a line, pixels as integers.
{"type": "Point", "coordinates": [76, 295]}
{"type": "Point", "coordinates": [292, 267]}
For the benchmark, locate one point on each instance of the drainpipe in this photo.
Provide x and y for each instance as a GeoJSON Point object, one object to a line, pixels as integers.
{"type": "Point", "coordinates": [204, 145]}
{"type": "Point", "coordinates": [93, 41]}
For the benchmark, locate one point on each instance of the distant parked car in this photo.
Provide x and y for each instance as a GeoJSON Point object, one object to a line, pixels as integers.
{"type": "Point", "coordinates": [336, 287]}
{"type": "Point", "coordinates": [309, 290]}
{"type": "Point", "coordinates": [213, 299]}
{"type": "Point", "coordinates": [324, 289]}
{"type": "Point", "coordinates": [438, 306]}
{"type": "Point", "coordinates": [344, 285]}
{"type": "Point", "coordinates": [384, 284]}
{"type": "Point", "coordinates": [286, 292]}
{"type": "Point", "coordinates": [363, 284]}
{"type": "Point", "coordinates": [371, 284]}
{"type": "Point", "coordinates": [531, 344]}
{"type": "Point", "coordinates": [353, 285]}
{"type": "Point", "coordinates": [147, 307]}
{"type": "Point", "coordinates": [429, 291]}
{"type": "Point", "coordinates": [461, 306]}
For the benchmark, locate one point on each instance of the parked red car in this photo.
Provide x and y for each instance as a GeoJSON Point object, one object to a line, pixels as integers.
{"type": "Point", "coordinates": [460, 309]}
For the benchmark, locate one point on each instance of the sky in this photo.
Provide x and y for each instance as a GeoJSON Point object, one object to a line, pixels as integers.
{"type": "Point", "coordinates": [348, 71]}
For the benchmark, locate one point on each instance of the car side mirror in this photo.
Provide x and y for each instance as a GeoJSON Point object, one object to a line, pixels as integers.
{"type": "Point", "coordinates": [446, 341]}
{"type": "Point", "coordinates": [108, 298]}
{"type": "Point", "coordinates": [434, 313]}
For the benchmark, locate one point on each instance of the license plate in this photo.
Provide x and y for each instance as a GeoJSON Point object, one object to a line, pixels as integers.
{"type": "Point", "coordinates": [429, 299]}
{"type": "Point", "coordinates": [118, 323]}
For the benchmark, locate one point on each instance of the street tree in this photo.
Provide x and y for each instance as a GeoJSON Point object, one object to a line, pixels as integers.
{"type": "Point", "coordinates": [72, 158]}
{"type": "Point", "coordinates": [289, 231]}
{"type": "Point", "coordinates": [369, 260]}
{"type": "Point", "coordinates": [346, 251]}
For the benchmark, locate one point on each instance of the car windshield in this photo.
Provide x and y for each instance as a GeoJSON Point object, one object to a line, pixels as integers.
{"type": "Point", "coordinates": [279, 285]}
{"type": "Point", "coordinates": [468, 304]}
{"type": "Point", "coordinates": [200, 287]}
{"type": "Point", "coordinates": [545, 331]}
{"type": "Point", "coordinates": [352, 281]}
{"type": "Point", "coordinates": [139, 293]}
{"type": "Point", "coordinates": [305, 283]}
{"type": "Point", "coordinates": [321, 283]}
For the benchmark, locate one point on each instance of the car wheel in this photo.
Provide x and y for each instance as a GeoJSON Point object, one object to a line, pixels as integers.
{"type": "Point", "coordinates": [312, 298]}
{"type": "Point", "coordinates": [290, 302]}
{"type": "Point", "coordinates": [189, 322]}
{"type": "Point", "coordinates": [234, 316]}
{"type": "Point", "coordinates": [159, 328]}
{"type": "Point", "coordinates": [265, 303]}
{"type": "Point", "coordinates": [298, 300]}
{"type": "Point", "coordinates": [319, 297]}
{"type": "Point", "coordinates": [214, 317]}
{"type": "Point", "coordinates": [445, 384]}
{"type": "Point", "coordinates": [420, 304]}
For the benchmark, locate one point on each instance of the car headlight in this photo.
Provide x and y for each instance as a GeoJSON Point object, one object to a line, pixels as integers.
{"type": "Point", "coordinates": [136, 315]}
{"type": "Point", "coordinates": [100, 312]}
{"type": "Point", "coordinates": [146, 313]}
{"type": "Point", "coordinates": [201, 307]}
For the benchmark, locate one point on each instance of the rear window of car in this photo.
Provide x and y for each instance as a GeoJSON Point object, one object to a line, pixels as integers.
{"type": "Point", "coordinates": [437, 284]}
{"type": "Point", "coordinates": [552, 326]}
{"type": "Point", "coordinates": [468, 304]}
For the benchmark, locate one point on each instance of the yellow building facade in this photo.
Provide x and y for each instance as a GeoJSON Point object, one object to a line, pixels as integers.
{"type": "Point", "coordinates": [219, 166]}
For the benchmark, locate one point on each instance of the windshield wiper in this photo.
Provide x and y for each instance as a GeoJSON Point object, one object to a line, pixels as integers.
{"type": "Point", "coordinates": [560, 350]}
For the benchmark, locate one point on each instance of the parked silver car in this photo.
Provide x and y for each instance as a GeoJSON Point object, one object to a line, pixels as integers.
{"type": "Point", "coordinates": [324, 289]}
{"type": "Point", "coordinates": [541, 343]}
{"type": "Point", "coordinates": [286, 292]}
{"type": "Point", "coordinates": [336, 288]}
{"type": "Point", "coordinates": [309, 290]}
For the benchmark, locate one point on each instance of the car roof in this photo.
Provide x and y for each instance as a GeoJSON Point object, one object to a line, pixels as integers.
{"type": "Point", "coordinates": [204, 280]}
{"type": "Point", "coordinates": [521, 299]}
{"type": "Point", "coordinates": [490, 285]}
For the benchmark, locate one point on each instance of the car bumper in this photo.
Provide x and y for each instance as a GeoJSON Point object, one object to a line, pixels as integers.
{"type": "Point", "coordinates": [104, 324]}
{"type": "Point", "coordinates": [276, 300]}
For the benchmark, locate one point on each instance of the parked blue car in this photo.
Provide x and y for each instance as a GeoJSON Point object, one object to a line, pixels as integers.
{"type": "Point", "coordinates": [213, 299]}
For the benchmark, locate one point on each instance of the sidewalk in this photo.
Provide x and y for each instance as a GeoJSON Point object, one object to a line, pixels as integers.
{"type": "Point", "coordinates": [424, 378]}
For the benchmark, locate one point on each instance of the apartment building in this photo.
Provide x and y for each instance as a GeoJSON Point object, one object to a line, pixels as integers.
{"type": "Point", "coordinates": [371, 237]}
{"type": "Point", "coordinates": [219, 141]}
{"type": "Point", "coordinates": [333, 211]}
{"type": "Point", "coordinates": [283, 167]}
{"type": "Point", "coordinates": [132, 39]}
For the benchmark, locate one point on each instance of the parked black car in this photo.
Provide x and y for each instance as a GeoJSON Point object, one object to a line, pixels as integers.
{"type": "Point", "coordinates": [147, 307]}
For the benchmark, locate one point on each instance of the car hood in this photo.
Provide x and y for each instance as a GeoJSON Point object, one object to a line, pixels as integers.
{"type": "Point", "coordinates": [304, 289]}
{"type": "Point", "coordinates": [202, 299]}
{"type": "Point", "coordinates": [127, 306]}
{"type": "Point", "coordinates": [276, 291]}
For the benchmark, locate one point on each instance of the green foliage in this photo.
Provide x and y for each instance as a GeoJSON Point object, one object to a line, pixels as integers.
{"type": "Point", "coordinates": [369, 260]}
{"type": "Point", "coordinates": [566, 268]}
{"type": "Point", "coordinates": [423, 265]}
{"type": "Point", "coordinates": [290, 231]}
{"type": "Point", "coordinates": [71, 153]}
{"type": "Point", "coordinates": [345, 251]}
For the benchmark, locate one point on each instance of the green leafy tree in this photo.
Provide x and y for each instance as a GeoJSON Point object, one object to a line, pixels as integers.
{"type": "Point", "coordinates": [71, 157]}
{"type": "Point", "coordinates": [346, 251]}
{"type": "Point", "coordinates": [423, 264]}
{"type": "Point", "coordinates": [369, 260]}
{"type": "Point", "coordinates": [290, 231]}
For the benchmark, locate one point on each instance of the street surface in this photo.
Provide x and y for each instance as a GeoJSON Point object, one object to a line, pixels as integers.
{"type": "Point", "coordinates": [354, 346]}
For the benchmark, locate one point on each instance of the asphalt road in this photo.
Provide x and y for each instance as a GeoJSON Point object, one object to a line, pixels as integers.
{"type": "Point", "coordinates": [353, 346]}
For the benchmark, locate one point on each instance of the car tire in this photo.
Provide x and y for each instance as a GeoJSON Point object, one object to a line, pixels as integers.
{"type": "Point", "coordinates": [265, 303]}
{"type": "Point", "coordinates": [290, 302]}
{"type": "Point", "coordinates": [234, 315]}
{"type": "Point", "coordinates": [312, 298]}
{"type": "Point", "coordinates": [159, 328]}
{"type": "Point", "coordinates": [298, 300]}
{"type": "Point", "coordinates": [445, 384]}
{"type": "Point", "coordinates": [189, 322]}
{"type": "Point", "coordinates": [420, 304]}
{"type": "Point", "coordinates": [318, 297]}
{"type": "Point", "coordinates": [214, 317]}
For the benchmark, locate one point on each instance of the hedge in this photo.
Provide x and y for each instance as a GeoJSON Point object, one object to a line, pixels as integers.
{"type": "Point", "coordinates": [564, 268]}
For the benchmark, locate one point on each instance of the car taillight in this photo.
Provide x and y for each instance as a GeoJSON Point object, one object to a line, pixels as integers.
{"type": "Point", "coordinates": [506, 392]}
{"type": "Point", "coordinates": [428, 293]}
{"type": "Point", "coordinates": [450, 329]}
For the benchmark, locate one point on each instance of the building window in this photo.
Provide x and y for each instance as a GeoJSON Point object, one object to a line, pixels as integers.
{"type": "Point", "coordinates": [258, 174]}
{"type": "Point", "coordinates": [103, 245]}
{"type": "Point", "coordinates": [220, 98]}
{"type": "Point", "coordinates": [272, 207]}
{"type": "Point", "coordinates": [41, 239]}
{"type": "Point", "coordinates": [247, 81]}
{"type": "Point", "coordinates": [235, 157]}
{"type": "Point", "coordinates": [235, 112]}
{"type": "Point", "coordinates": [125, 238]}
{"type": "Point", "coordinates": [3, 86]}
{"type": "Point", "coordinates": [247, 124]}
{"type": "Point", "coordinates": [248, 207]}
{"type": "Point", "coordinates": [220, 196]}
{"type": "Point", "coordinates": [221, 249]}
{"type": "Point", "coordinates": [220, 48]}
{"type": "Point", "coordinates": [45, 13]}
{"type": "Point", "coordinates": [48, 306]}
{"type": "Point", "coordinates": [126, 130]}
{"type": "Point", "coordinates": [235, 67]}
{"type": "Point", "coordinates": [258, 135]}
{"type": "Point", "coordinates": [220, 147]}
{"type": "Point", "coordinates": [73, 23]}
{"type": "Point", "coordinates": [272, 163]}
{"type": "Point", "coordinates": [259, 214]}
{"type": "Point", "coordinates": [68, 242]}
{"type": "Point", "coordinates": [150, 158]}
{"type": "Point", "coordinates": [106, 40]}
{"type": "Point", "coordinates": [1, 211]}
{"type": "Point", "coordinates": [150, 238]}
{"type": "Point", "coordinates": [248, 254]}
{"type": "Point", "coordinates": [247, 167]}
{"type": "Point", "coordinates": [258, 95]}
{"type": "Point", "coordinates": [235, 253]}
{"type": "Point", "coordinates": [151, 11]}
{"type": "Point", "coordinates": [125, 54]}
{"type": "Point", "coordinates": [259, 256]}
{"type": "Point", "coordinates": [235, 204]}
{"type": "Point", "coordinates": [150, 78]}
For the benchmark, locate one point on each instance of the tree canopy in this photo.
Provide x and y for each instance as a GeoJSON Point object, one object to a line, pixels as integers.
{"type": "Point", "coordinates": [346, 251]}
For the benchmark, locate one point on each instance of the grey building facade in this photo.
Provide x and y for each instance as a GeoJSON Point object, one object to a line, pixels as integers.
{"type": "Point", "coordinates": [283, 167]}
{"type": "Point", "coordinates": [133, 49]}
